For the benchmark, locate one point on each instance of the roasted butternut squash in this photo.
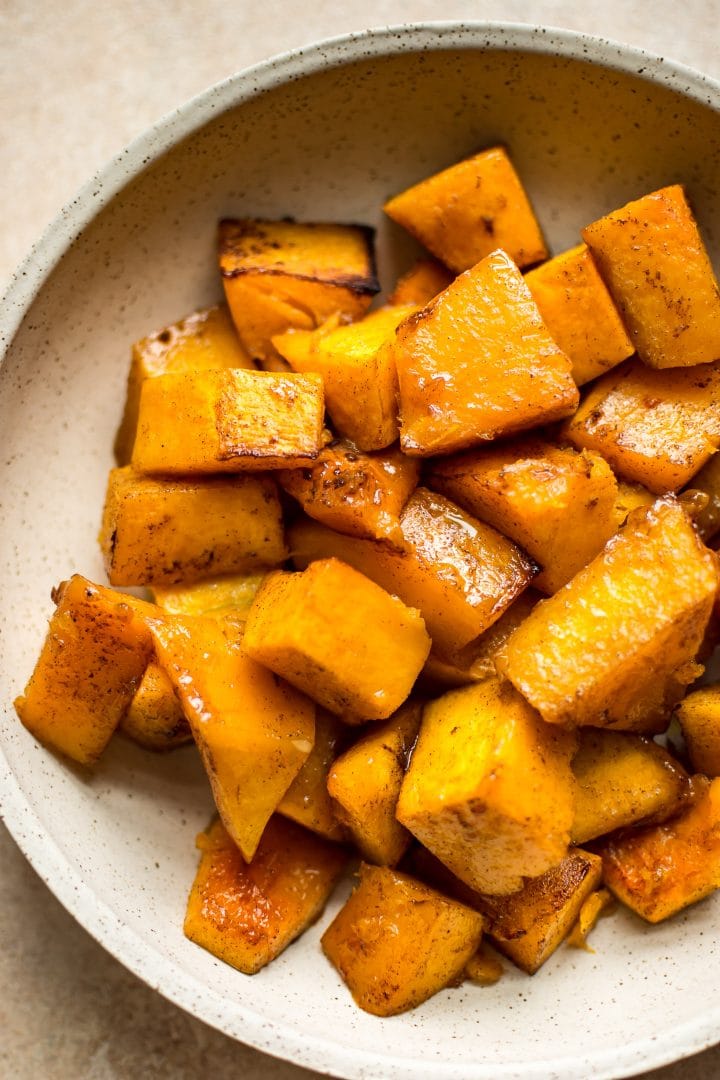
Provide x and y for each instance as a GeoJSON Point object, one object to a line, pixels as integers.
{"type": "Point", "coordinates": [421, 284]}
{"type": "Point", "coordinates": [653, 259]}
{"type": "Point", "coordinates": [215, 597]}
{"type": "Point", "coordinates": [699, 716]}
{"type": "Point", "coordinates": [339, 637]}
{"type": "Point", "coordinates": [478, 362]}
{"type": "Point", "coordinates": [307, 800]}
{"type": "Point", "coordinates": [247, 914]}
{"type": "Point", "coordinates": [484, 968]}
{"type": "Point", "coordinates": [396, 942]}
{"type": "Point", "coordinates": [228, 421]}
{"type": "Point", "coordinates": [616, 647]}
{"type": "Point", "coordinates": [707, 520]}
{"type": "Point", "coordinates": [154, 719]}
{"type": "Point", "coordinates": [463, 213]}
{"type": "Point", "coordinates": [598, 903]}
{"type": "Point", "coordinates": [630, 497]}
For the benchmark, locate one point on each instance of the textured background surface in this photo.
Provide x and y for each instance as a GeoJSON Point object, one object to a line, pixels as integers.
{"type": "Point", "coordinates": [77, 81]}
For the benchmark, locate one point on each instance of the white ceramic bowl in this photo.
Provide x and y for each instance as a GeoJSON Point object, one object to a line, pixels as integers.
{"type": "Point", "coordinates": [323, 133]}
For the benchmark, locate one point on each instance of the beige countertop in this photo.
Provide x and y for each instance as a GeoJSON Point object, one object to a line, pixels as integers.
{"type": "Point", "coordinates": [78, 80]}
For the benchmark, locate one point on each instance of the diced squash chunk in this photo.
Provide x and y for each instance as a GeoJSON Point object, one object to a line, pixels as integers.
{"type": "Point", "coordinates": [580, 314]}
{"type": "Point", "coordinates": [283, 274]}
{"type": "Point", "coordinates": [615, 647]}
{"type": "Point", "coordinates": [359, 378]}
{"type": "Point", "coordinates": [652, 257]}
{"type": "Point", "coordinates": [478, 362]}
{"type": "Point", "coordinates": [338, 636]}
{"type": "Point", "coordinates": [699, 716]}
{"type": "Point", "coordinates": [463, 213]}
{"type": "Point", "coordinates": [228, 421]}
{"type": "Point", "coordinates": [707, 521]}
{"type": "Point", "coordinates": [656, 428]}
{"type": "Point", "coordinates": [396, 942]}
{"type": "Point", "coordinates": [484, 968]}
{"type": "Point", "coordinates": [661, 869]}
{"type": "Point", "coordinates": [213, 597]}
{"type": "Point", "coordinates": [365, 784]}
{"type": "Point", "coordinates": [597, 904]}
{"type": "Point", "coordinates": [155, 719]}
{"type": "Point", "coordinates": [354, 492]}
{"type": "Point", "coordinates": [204, 340]}
{"type": "Point", "coordinates": [421, 284]}
{"type": "Point", "coordinates": [307, 800]}
{"type": "Point", "coordinates": [460, 574]}
{"type": "Point", "coordinates": [622, 779]}
{"type": "Point", "coordinates": [167, 531]}
{"type": "Point", "coordinates": [489, 788]}
{"type": "Point", "coordinates": [254, 731]}
{"type": "Point", "coordinates": [91, 664]}
{"type": "Point", "coordinates": [247, 914]}
{"type": "Point", "coordinates": [529, 925]}
{"type": "Point", "coordinates": [557, 504]}
{"type": "Point", "coordinates": [630, 497]}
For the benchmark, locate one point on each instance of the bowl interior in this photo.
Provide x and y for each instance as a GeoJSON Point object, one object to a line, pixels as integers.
{"type": "Point", "coordinates": [117, 845]}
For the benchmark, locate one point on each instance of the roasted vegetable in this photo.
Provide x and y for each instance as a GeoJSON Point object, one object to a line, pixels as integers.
{"type": "Point", "coordinates": [397, 942]}
{"type": "Point", "coordinates": [598, 903]}
{"type": "Point", "coordinates": [307, 800]}
{"type": "Point", "coordinates": [338, 636]}
{"type": "Point", "coordinates": [699, 716]}
{"type": "Point", "coordinates": [214, 596]}
{"type": "Point", "coordinates": [707, 521]}
{"type": "Point", "coordinates": [421, 284]}
{"type": "Point", "coordinates": [154, 719]}
{"type": "Point", "coordinates": [484, 968]}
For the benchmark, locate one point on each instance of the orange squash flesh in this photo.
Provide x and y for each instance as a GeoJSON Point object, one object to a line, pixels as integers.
{"type": "Point", "coordinates": [421, 284]}
{"type": "Point", "coordinates": [307, 800]}
{"type": "Point", "coordinates": [155, 719]}
{"type": "Point", "coordinates": [216, 597]}
{"type": "Point", "coordinates": [707, 521]}
{"type": "Point", "coordinates": [699, 716]}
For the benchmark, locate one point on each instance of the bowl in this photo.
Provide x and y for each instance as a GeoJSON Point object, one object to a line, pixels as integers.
{"type": "Point", "coordinates": [322, 133]}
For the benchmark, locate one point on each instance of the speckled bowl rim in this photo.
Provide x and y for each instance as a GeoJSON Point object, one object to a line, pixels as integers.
{"type": "Point", "coordinates": [670, 1043]}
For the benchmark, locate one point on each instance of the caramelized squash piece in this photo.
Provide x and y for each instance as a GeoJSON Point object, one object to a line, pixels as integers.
{"type": "Point", "coordinates": [460, 574]}
{"type": "Point", "coordinates": [477, 363]}
{"type": "Point", "coordinates": [215, 597]}
{"type": "Point", "coordinates": [247, 914]}
{"type": "Point", "coordinates": [463, 213]}
{"type": "Point", "coordinates": [155, 719]}
{"type": "Point", "coordinates": [254, 731]}
{"type": "Point", "coordinates": [707, 521]}
{"type": "Point", "coordinates": [484, 968]}
{"type": "Point", "coordinates": [630, 497]}
{"type": "Point", "coordinates": [489, 788]}
{"type": "Point", "coordinates": [353, 492]}
{"type": "Point", "coordinates": [656, 428]}
{"type": "Point", "coordinates": [96, 650]}
{"type": "Point", "coordinates": [615, 648]}
{"type": "Point", "coordinates": [204, 340]}
{"type": "Point", "coordinates": [623, 779]}
{"type": "Point", "coordinates": [339, 637]}
{"type": "Point", "coordinates": [307, 800]}
{"type": "Point", "coordinates": [557, 504]}
{"type": "Point", "coordinates": [421, 284]}
{"type": "Point", "coordinates": [167, 531]}
{"type": "Point", "coordinates": [580, 314]}
{"type": "Point", "coordinates": [228, 421]}
{"type": "Point", "coordinates": [396, 942]}
{"type": "Point", "coordinates": [359, 378]}
{"type": "Point", "coordinates": [598, 903]}
{"type": "Point", "coordinates": [661, 869]}
{"type": "Point", "coordinates": [282, 274]}
{"type": "Point", "coordinates": [699, 716]}
{"type": "Point", "coordinates": [365, 783]}
{"type": "Point", "coordinates": [653, 259]}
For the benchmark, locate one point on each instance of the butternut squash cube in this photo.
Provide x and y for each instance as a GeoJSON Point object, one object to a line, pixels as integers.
{"type": "Point", "coordinates": [214, 597]}
{"type": "Point", "coordinates": [155, 719]}
{"type": "Point", "coordinates": [579, 312]}
{"type": "Point", "coordinates": [463, 213]}
{"type": "Point", "coordinates": [616, 646]}
{"type": "Point", "coordinates": [557, 504]}
{"type": "Point", "coordinates": [460, 574]}
{"type": "Point", "coordinates": [707, 521]}
{"type": "Point", "coordinates": [421, 284]}
{"type": "Point", "coordinates": [478, 362]}
{"type": "Point", "coordinates": [484, 968]}
{"type": "Point", "coordinates": [653, 259]}
{"type": "Point", "coordinates": [365, 783]}
{"type": "Point", "coordinates": [247, 914]}
{"type": "Point", "coordinates": [699, 716]}
{"type": "Point", "coordinates": [254, 731]}
{"type": "Point", "coordinates": [630, 497]}
{"type": "Point", "coordinates": [489, 789]}
{"type": "Point", "coordinates": [598, 903]}
{"type": "Point", "coordinates": [353, 492]}
{"type": "Point", "coordinates": [339, 637]}
{"type": "Point", "coordinates": [280, 275]}
{"type": "Point", "coordinates": [656, 428]}
{"type": "Point", "coordinates": [204, 340]}
{"type": "Point", "coordinates": [661, 869]}
{"type": "Point", "coordinates": [96, 650]}
{"type": "Point", "coordinates": [167, 531]}
{"type": "Point", "coordinates": [359, 378]}
{"type": "Point", "coordinates": [228, 421]}
{"type": "Point", "coordinates": [623, 779]}
{"type": "Point", "coordinates": [307, 800]}
{"type": "Point", "coordinates": [396, 942]}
